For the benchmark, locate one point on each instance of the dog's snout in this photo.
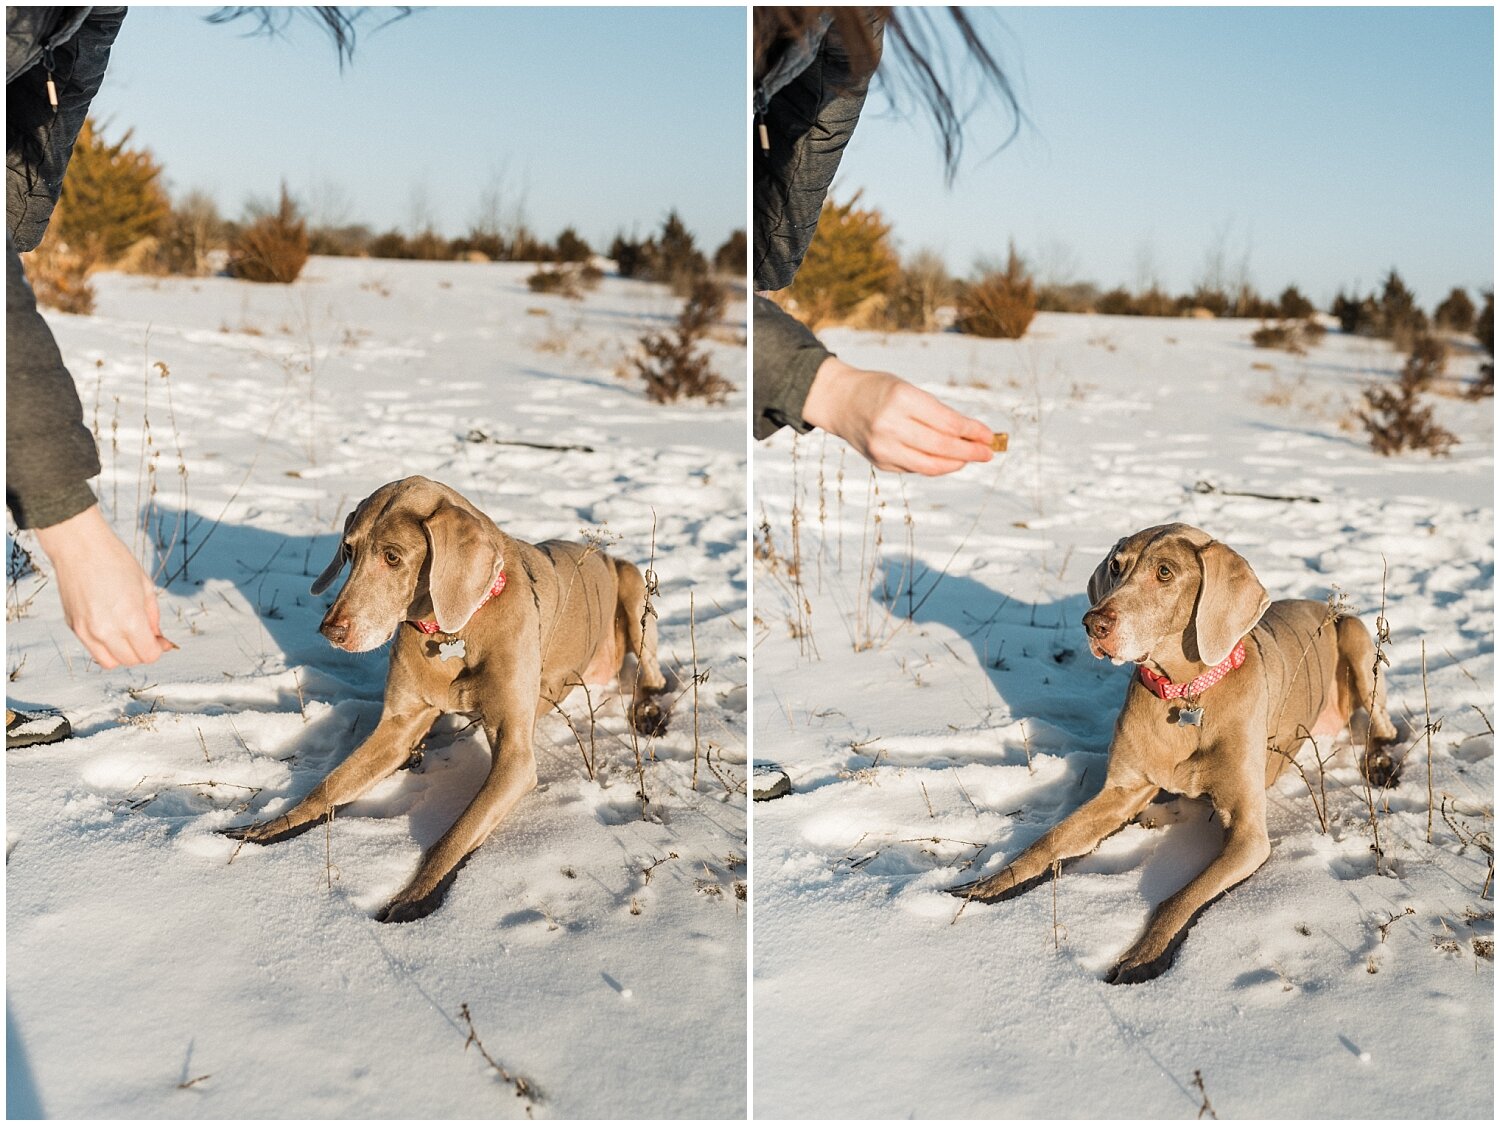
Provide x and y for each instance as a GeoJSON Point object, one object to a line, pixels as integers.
{"type": "Point", "coordinates": [1099, 623]}
{"type": "Point", "coordinates": [335, 629]}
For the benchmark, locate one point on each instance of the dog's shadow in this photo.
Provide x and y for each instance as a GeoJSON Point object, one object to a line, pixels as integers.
{"type": "Point", "coordinates": [1036, 655]}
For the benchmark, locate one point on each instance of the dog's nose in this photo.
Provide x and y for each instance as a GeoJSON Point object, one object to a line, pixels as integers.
{"type": "Point", "coordinates": [335, 629]}
{"type": "Point", "coordinates": [1099, 623]}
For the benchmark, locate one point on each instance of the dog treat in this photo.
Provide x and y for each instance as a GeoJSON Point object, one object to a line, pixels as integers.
{"type": "Point", "coordinates": [1000, 442]}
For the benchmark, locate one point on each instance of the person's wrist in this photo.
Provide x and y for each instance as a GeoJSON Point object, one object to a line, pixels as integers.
{"type": "Point", "coordinates": [75, 535]}
{"type": "Point", "coordinates": [838, 390]}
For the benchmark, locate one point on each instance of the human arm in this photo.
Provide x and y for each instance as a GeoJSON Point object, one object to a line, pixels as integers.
{"type": "Point", "coordinates": [107, 599]}
{"type": "Point", "coordinates": [892, 423]}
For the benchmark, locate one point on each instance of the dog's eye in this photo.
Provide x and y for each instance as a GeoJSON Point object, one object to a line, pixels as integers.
{"type": "Point", "coordinates": [392, 558]}
{"type": "Point", "coordinates": [1164, 572]}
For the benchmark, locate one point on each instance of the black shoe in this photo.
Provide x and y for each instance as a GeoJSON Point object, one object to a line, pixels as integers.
{"type": "Point", "coordinates": [770, 782]}
{"type": "Point", "coordinates": [35, 729]}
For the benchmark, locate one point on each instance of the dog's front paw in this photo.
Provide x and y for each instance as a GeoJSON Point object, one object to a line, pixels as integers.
{"type": "Point", "coordinates": [408, 910]}
{"type": "Point", "coordinates": [1147, 959]}
{"type": "Point", "coordinates": [267, 832]}
{"type": "Point", "coordinates": [412, 903]}
{"type": "Point", "coordinates": [258, 832]}
{"type": "Point", "coordinates": [997, 888]}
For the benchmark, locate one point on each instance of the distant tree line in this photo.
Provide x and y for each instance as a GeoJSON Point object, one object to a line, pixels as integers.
{"type": "Point", "coordinates": [115, 213]}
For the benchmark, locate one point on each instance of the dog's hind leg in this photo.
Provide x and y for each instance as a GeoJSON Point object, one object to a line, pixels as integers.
{"type": "Point", "coordinates": [387, 748]}
{"type": "Point", "coordinates": [1361, 689]}
{"type": "Point", "coordinates": [639, 626]}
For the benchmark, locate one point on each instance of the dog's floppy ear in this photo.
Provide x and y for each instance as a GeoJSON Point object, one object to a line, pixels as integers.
{"type": "Point", "coordinates": [463, 556]}
{"type": "Point", "coordinates": [336, 564]}
{"type": "Point", "coordinates": [1099, 581]}
{"type": "Point", "coordinates": [1230, 601]}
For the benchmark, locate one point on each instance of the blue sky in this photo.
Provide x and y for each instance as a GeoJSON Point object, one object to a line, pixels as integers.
{"type": "Point", "coordinates": [604, 118]}
{"type": "Point", "coordinates": [1328, 144]}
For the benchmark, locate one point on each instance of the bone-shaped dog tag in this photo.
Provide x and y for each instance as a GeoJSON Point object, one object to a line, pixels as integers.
{"type": "Point", "coordinates": [450, 649]}
{"type": "Point", "coordinates": [1190, 717]}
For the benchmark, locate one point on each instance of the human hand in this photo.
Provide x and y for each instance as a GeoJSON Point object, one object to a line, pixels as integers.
{"type": "Point", "coordinates": [107, 600]}
{"type": "Point", "coordinates": [891, 423]}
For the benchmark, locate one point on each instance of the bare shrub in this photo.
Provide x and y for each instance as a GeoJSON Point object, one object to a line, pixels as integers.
{"type": "Point", "coordinates": [1285, 337]}
{"type": "Point", "coordinates": [59, 277]}
{"type": "Point", "coordinates": [673, 366]}
{"type": "Point", "coordinates": [563, 282]}
{"type": "Point", "coordinates": [191, 229]}
{"type": "Point", "coordinates": [1428, 360]}
{"type": "Point", "coordinates": [273, 248]}
{"type": "Point", "coordinates": [1396, 420]}
{"type": "Point", "coordinates": [1294, 336]}
{"type": "Point", "coordinates": [1000, 304]}
{"type": "Point", "coordinates": [920, 290]}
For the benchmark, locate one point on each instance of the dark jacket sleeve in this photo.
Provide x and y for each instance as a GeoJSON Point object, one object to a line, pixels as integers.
{"type": "Point", "coordinates": [49, 453]}
{"type": "Point", "coordinates": [79, 40]}
{"type": "Point", "coordinates": [787, 356]}
{"type": "Point", "coordinates": [808, 121]}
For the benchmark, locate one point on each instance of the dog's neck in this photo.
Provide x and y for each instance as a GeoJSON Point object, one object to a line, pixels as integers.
{"type": "Point", "coordinates": [1189, 679]}
{"type": "Point", "coordinates": [429, 626]}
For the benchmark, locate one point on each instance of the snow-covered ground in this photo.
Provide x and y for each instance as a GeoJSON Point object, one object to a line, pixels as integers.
{"type": "Point", "coordinates": [929, 736]}
{"type": "Point", "coordinates": [600, 955]}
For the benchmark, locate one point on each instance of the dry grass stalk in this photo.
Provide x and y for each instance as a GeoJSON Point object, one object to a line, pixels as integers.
{"type": "Point", "coordinates": [524, 1089]}
{"type": "Point", "coordinates": [693, 637]}
{"type": "Point", "coordinates": [1207, 1107]}
{"type": "Point", "coordinates": [1429, 728]}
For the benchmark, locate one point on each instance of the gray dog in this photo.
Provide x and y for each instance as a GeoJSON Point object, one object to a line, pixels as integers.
{"type": "Point", "coordinates": [485, 625]}
{"type": "Point", "coordinates": [1229, 686]}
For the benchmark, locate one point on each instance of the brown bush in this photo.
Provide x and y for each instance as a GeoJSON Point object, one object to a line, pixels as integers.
{"type": "Point", "coordinates": [59, 277]}
{"type": "Point", "coordinates": [920, 290]}
{"type": "Point", "coordinates": [191, 229]}
{"type": "Point", "coordinates": [1428, 360]}
{"type": "Point", "coordinates": [563, 282]}
{"type": "Point", "coordinates": [1294, 336]}
{"type": "Point", "coordinates": [1285, 337]}
{"type": "Point", "coordinates": [1000, 304]}
{"type": "Point", "coordinates": [1396, 420]}
{"type": "Point", "coordinates": [849, 260]}
{"type": "Point", "coordinates": [673, 367]}
{"type": "Point", "coordinates": [111, 197]}
{"type": "Point", "coordinates": [273, 248]}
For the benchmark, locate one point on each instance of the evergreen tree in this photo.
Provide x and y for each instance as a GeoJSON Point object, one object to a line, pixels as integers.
{"type": "Point", "coordinates": [850, 259]}
{"type": "Point", "coordinates": [111, 197]}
